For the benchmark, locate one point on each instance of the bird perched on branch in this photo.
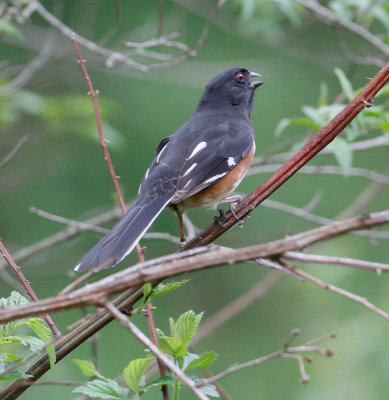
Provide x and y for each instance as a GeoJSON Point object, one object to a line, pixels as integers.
{"type": "Point", "coordinates": [197, 166]}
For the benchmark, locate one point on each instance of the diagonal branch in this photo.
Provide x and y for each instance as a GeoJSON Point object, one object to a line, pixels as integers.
{"type": "Point", "coordinates": [155, 350]}
{"type": "Point", "coordinates": [155, 270]}
{"type": "Point", "coordinates": [27, 287]}
{"type": "Point", "coordinates": [320, 140]}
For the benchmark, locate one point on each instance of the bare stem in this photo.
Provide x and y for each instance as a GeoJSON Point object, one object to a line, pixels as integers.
{"type": "Point", "coordinates": [27, 286]}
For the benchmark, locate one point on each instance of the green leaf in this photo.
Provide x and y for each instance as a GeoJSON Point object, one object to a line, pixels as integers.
{"type": "Point", "coordinates": [32, 342]}
{"type": "Point", "coordinates": [103, 390]}
{"type": "Point", "coordinates": [344, 83]}
{"type": "Point", "coordinates": [163, 288]}
{"type": "Point", "coordinates": [88, 368]}
{"type": "Point", "coordinates": [202, 361]}
{"type": "Point", "coordinates": [186, 326]}
{"type": "Point", "coordinates": [134, 373]}
{"type": "Point", "coordinates": [323, 95]}
{"type": "Point", "coordinates": [281, 126]}
{"type": "Point", "coordinates": [209, 390]}
{"type": "Point", "coordinates": [14, 375]}
{"type": "Point", "coordinates": [343, 153]}
{"type": "Point", "coordinates": [162, 380]}
{"type": "Point", "coordinates": [45, 334]}
{"type": "Point", "coordinates": [173, 346]}
{"type": "Point", "coordinates": [15, 299]}
{"type": "Point", "coordinates": [10, 29]}
{"type": "Point", "coordinates": [7, 360]}
{"type": "Point", "coordinates": [147, 291]}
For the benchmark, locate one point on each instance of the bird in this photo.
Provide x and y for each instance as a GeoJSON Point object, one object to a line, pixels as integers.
{"type": "Point", "coordinates": [197, 166]}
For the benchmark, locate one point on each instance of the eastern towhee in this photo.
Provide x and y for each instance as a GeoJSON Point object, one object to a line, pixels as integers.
{"type": "Point", "coordinates": [197, 166]}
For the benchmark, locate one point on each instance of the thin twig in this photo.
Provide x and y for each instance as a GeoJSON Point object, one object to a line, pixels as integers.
{"type": "Point", "coordinates": [332, 288]}
{"type": "Point", "coordinates": [325, 169]}
{"type": "Point", "coordinates": [360, 145]}
{"type": "Point", "coordinates": [155, 270]}
{"type": "Point", "coordinates": [236, 306]}
{"type": "Point", "coordinates": [103, 142]}
{"type": "Point", "coordinates": [362, 201]}
{"type": "Point", "coordinates": [27, 286]}
{"type": "Point", "coordinates": [335, 19]}
{"type": "Point", "coordinates": [18, 145]}
{"type": "Point", "coordinates": [285, 352]}
{"type": "Point", "coordinates": [313, 258]}
{"type": "Point", "coordinates": [125, 322]}
{"type": "Point", "coordinates": [154, 338]}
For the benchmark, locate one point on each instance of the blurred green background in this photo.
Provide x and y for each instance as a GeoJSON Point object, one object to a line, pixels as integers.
{"type": "Point", "coordinates": [60, 169]}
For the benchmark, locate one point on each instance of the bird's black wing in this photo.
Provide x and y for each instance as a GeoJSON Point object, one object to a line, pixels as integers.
{"type": "Point", "coordinates": [222, 148]}
{"type": "Point", "coordinates": [199, 154]}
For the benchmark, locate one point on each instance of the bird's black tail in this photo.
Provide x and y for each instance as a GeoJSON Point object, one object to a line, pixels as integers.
{"type": "Point", "coordinates": [124, 236]}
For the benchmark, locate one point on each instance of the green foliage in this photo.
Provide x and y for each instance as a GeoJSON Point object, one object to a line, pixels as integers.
{"type": "Point", "coordinates": [10, 29]}
{"type": "Point", "coordinates": [103, 389]}
{"type": "Point", "coordinates": [134, 373]}
{"type": "Point", "coordinates": [61, 115]}
{"type": "Point", "coordinates": [175, 346]}
{"type": "Point", "coordinates": [43, 335]}
{"type": "Point", "coordinates": [315, 118]}
{"type": "Point", "coordinates": [159, 290]}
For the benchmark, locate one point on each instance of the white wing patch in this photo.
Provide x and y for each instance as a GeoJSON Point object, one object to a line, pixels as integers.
{"type": "Point", "coordinates": [231, 161]}
{"type": "Point", "coordinates": [198, 148]}
{"type": "Point", "coordinates": [214, 178]}
{"type": "Point", "coordinates": [191, 168]}
{"type": "Point", "coordinates": [159, 154]}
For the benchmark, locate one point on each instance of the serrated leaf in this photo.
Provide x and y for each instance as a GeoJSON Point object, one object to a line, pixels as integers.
{"type": "Point", "coordinates": [172, 346]}
{"type": "Point", "coordinates": [343, 153]}
{"type": "Point", "coordinates": [163, 288]}
{"type": "Point", "coordinates": [103, 390]}
{"type": "Point", "coordinates": [10, 29]}
{"type": "Point", "coordinates": [87, 368]}
{"type": "Point", "coordinates": [15, 299]}
{"type": "Point", "coordinates": [134, 373]}
{"type": "Point", "coordinates": [344, 83]}
{"type": "Point", "coordinates": [32, 342]}
{"type": "Point", "coordinates": [186, 326]}
{"type": "Point", "coordinates": [204, 360]}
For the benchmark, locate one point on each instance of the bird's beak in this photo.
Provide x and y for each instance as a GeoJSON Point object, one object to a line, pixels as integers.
{"type": "Point", "coordinates": [255, 84]}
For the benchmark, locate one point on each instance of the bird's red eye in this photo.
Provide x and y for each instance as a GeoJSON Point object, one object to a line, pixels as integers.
{"type": "Point", "coordinates": [240, 77]}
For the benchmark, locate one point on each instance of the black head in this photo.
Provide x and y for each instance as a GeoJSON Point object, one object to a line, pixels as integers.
{"type": "Point", "coordinates": [231, 87]}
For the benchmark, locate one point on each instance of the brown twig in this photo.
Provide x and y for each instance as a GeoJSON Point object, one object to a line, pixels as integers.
{"type": "Point", "coordinates": [292, 352]}
{"type": "Point", "coordinates": [103, 141]}
{"type": "Point", "coordinates": [154, 338]}
{"type": "Point", "coordinates": [27, 286]}
{"type": "Point", "coordinates": [155, 270]}
{"type": "Point", "coordinates": [316, 144]}
{"type": "Point", "coordinates": [332, 288]}
{"type": "Point", "coordinates": [314, 258]}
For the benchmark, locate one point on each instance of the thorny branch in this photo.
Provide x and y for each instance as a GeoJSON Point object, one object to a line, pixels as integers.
{"type": "Point", "coordinates": [27, 287]}
{"type": "Point", "coordinates": [316, 144]}
{"type": "Point", "coordinates": [154, 270]}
